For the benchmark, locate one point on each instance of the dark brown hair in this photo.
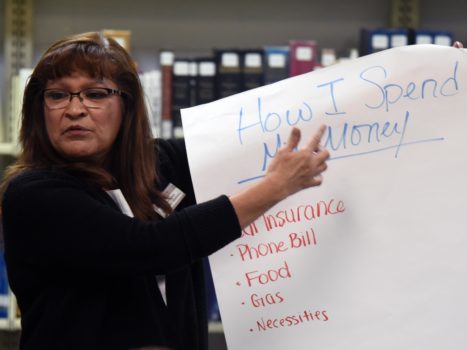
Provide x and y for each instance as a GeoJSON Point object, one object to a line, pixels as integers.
{"type": "Point", "coordinates": [131, 162]}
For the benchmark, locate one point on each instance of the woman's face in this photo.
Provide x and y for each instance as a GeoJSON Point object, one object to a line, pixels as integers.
{"type": "Point", "coordinates": [80, 132]}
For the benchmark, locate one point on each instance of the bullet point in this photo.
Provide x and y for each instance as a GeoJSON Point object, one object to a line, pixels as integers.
{"type": "Point", "coordinates": [238, 283]}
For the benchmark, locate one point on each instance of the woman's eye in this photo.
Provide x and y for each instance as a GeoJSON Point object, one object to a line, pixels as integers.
{"type": "Point", "coordinates": [56, 95]}
{"type": "Point", "coordinates": [96, 94]}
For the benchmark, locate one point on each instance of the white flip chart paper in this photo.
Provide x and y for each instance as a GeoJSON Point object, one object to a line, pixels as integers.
{"type": "Point", "coordinates": [376, 257]}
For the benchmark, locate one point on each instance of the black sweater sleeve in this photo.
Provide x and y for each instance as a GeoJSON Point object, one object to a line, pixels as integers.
{"type": "Point", "coordinates": [52, 221]}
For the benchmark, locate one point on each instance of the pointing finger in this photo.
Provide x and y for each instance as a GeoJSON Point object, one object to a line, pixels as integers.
{"type": "Point", "coordinates": [313, 144]}
{"type": "Point", "coordinates": [293, 140]}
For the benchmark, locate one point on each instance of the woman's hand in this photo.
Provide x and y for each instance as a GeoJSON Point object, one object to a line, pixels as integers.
{"type": "Point", "coordinates": [290, 171]}
{"type": "Point", "coordinates": [293, 170]}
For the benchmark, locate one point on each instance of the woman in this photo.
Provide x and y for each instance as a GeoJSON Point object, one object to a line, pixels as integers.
{"type": "Point", "coordinates": [83, 238]}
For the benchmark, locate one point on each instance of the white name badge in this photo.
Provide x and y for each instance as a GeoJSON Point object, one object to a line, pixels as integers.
{"type": "Point", "coordinates": [173, 196]}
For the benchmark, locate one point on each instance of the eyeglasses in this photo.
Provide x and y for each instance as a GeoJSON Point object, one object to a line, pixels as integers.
{"type": "Point", "coordinates": [91, 97]}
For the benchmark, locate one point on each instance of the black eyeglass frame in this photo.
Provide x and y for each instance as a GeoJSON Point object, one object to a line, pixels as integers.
{"type": "Point", "coordinates": [78, 94]}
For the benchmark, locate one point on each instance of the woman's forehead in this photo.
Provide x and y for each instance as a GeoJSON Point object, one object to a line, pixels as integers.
{"type": "Point", "coordinates": [79, 77]}
{"type": "Point", "coordinates": [58, 65]}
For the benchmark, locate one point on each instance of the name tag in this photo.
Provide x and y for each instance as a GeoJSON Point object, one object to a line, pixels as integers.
{"type": "Point", "coordinates": [173, 195]}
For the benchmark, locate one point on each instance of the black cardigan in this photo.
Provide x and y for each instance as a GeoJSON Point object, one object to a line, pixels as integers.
{"type": "Point", "coordinates": [83, 272]}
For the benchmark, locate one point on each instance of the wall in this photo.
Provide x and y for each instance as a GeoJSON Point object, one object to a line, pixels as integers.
{"type": "Point", "coordinates": [447, 15]}
{"type": "Point", "coordinates": [198, 26]}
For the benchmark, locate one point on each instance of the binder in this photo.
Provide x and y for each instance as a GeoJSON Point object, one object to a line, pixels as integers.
{"type": "Point", "coordinates": [375, 40]}
{"type": "Point", "coordinates": [181, 92]}
{"type": "Point", "coordinates": [166, 63]}
{"type": "Point", "coordinates": [400, 37]}
{"type": "Point", "coordinates": [276, 63]}
{"type": "Point", "coordinates": [252, 68]}
{"type": "Point", "coordinates": [229, 72]}
{"type": "Point", "coordinates": [206, 81]}
{"type": "Point", "coordinates": [151, 82]}
{"type": "Point", "coordinates": [193, 73]}
{"type": "Point", "coordinates": [303, 56]}
{"type": "Point", "coordinates": [423, 37]}
{"type": "Point", "coordinates": [444, 38]}
{"type": "Point", "coordinates": [328, 57]}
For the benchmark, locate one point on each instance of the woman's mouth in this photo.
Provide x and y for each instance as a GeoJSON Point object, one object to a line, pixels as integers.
{"type": "Point", "coordinates": [76, 130]}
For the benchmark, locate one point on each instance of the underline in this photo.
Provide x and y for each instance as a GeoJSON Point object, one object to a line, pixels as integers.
{"type": "Point", "coordinates": [359, 154]}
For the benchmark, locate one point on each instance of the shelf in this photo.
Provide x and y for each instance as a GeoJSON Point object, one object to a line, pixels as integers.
{"type": "Point", "coordinates": [215, 327]}
{"type": "Point", "coordinates": [8, 149]}
{"type": "Point", "coordinates": [10, 325]}
{"type": "Point", "coordinates": [16, 324]}
{"type": "Point", "coordinates": [4, 324]}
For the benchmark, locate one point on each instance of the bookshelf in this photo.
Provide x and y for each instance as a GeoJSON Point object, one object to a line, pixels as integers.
{"type": "Point", "coordinates": [198, 27]}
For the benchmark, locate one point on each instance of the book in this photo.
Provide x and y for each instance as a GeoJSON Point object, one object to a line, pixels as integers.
{"type": "Point", "coordinates": [180, 93]}
{"type": "Point", "coordinates": [18, 85]}
{"type": "Point", "coordinates": [193, 80]}
{"type": "Point", "coordinates": [328, 57]}
{"type": "Point", "coordinates": [350, 54]}
{"type": "Point", "coordinates": [252, 69]}
{"type": "Point", "coordinates": [303, 56]}
{"type": "Point", "coordinates": [276, 63]}
{"type": "Point", "coordinates": [206, 81]}
{"type": "Point", "coordinates": [400, 37]}
{"type": "Point", "coordinates": [443, 38]}
{"type": "Point", "coordinates": [228, 73]}
{"type": "Point", "coordinates": [433, 37]}
{"type": "Point", "coordinates": [151, 82]}
{"type": "Point", "coordinates": [166, 63]}
{"type": "Point", "coordinates": [375, 40]}
{"type": "Point", "coordinates": [4, 289]}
